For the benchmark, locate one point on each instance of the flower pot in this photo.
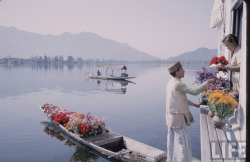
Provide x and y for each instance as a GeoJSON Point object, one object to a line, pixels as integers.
{"type": "Point", "coordinates": [218, 122]}
{"type": "Point", "coordinates": [210, 114]}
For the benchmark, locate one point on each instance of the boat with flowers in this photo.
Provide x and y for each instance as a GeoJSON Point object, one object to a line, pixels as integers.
{"type": "Point", "coordinates": [90, 131]}
{"type": "Point", "coordinates": [121, 67]}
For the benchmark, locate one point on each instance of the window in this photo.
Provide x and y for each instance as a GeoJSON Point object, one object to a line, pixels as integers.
{"type": "Point", "coordinates": [237, 22]}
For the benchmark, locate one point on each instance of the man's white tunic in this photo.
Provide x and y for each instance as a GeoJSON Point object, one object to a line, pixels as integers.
{"type": "Point", "coordinates": [177, 117]}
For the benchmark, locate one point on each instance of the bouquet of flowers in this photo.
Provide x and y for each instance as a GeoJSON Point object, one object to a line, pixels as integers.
{"type": "Point", "coordinates": [221, 83]}
{"type": "Point", "coordinates": [83, 125]}
{"type": "Point", "coordinates": [221, 103]}
{"type": "Point", "coordinates": [203, 75]}
{"type": "Point", "coordinates": [217, 60]}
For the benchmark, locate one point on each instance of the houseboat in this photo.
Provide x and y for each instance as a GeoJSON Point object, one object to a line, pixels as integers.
{"type": "Point", "coordinates": [230, 143]}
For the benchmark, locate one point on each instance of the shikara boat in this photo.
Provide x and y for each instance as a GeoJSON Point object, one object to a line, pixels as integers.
{"type": "Point", "coordinates": [121, 67]}
{"type": "Point", "coordinates": [115, 146]}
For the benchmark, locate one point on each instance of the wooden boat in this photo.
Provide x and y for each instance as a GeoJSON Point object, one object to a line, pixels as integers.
{"type": "Point", "coordinates": [108, 77]}
{"type": "Point", "coordinates": [121, 67]}
{"type": "Point", "coordinates": [51, 129]}
{"type": "Point", "coordinates": [118, 147]}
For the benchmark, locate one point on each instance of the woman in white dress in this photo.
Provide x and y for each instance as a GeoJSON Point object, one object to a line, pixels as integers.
{"type": "Point", "coordinates": [231, 42]}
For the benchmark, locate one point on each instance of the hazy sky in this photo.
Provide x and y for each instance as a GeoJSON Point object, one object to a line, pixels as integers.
{"type": "Point", "coordinates": [162, 28]}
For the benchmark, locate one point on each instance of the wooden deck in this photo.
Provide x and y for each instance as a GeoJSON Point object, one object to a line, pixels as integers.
{"type": "Point", "coordinates": [214, 143]}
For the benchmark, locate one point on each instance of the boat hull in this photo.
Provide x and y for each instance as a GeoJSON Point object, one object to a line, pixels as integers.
{"type": "Point", "coordinates": [109, 77]}
{"type": "Point", "coordinates": [116, 146]}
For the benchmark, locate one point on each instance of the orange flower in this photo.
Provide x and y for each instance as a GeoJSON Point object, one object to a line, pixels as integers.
{"type": "Point", "coordinates": [79, 115]}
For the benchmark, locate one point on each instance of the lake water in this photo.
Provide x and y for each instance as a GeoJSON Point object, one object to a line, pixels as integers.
{"type": "Point", "coordinates": [136, 110]}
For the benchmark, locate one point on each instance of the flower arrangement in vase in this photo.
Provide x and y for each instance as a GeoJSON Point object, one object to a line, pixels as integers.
{"type": "Point", "coordinates": [222, 104]}
{"type": "Point", "coordinates": [220, 84]}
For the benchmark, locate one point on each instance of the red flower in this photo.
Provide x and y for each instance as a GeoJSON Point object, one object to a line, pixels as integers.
{"type": "Point", "coordinates": [60, 118]}
{"type": "Point", "coordinates": [83, 128]}
{"type": "Point", "coordinates": [222, 60]}
{"type": "Point", "coordinates": [213, 61]}
{"type": "Point", "coordinates": [217, 60]}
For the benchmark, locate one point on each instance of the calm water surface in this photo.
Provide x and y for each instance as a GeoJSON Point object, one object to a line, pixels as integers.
{"type": "Point", "coordinates": [136, 110]}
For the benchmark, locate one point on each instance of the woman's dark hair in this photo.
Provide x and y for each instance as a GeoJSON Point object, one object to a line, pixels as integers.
{"type": "Point", "coordinates": [230, 38]}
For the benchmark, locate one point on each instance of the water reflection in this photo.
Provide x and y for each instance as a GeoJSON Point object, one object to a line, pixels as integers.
{"type": "Point", "coordinates": [81, 153]}
{"type": "Point", "coordinates": [143, 103]}
{"type": "Point", "coordinates": [114, 86]}
{"type": "Point", "coordinates": [45, 66]}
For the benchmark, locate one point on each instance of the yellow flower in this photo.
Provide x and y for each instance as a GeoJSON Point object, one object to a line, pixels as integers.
{"type": "Point", "coordinates": [208, 92]}
{"type": "Point", "coordinates": [78, 115]}
{"type": "Point", "coordinates": [211, 96]}
{"type": "Point", "coordinates": [218, 95]}
{"type": "Point", "coordinates": [213, 100]}
{"type": "Point", "coordinates": [218, 91]}
{"type": "Point", "coordinates": [224, 103]}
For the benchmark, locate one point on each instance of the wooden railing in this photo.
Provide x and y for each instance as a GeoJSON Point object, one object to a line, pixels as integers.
{"type": "Point", "coordinates": [215, 145]}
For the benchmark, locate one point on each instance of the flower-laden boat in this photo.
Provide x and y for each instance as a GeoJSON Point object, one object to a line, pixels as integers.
{"type": "Point", "coordinates": [90, 131]}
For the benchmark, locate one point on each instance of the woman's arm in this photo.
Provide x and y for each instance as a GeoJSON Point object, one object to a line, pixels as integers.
{"type": "Point", "coordinates": [229, 67]}
{"type": "Point", "coordinates": [233, 68]}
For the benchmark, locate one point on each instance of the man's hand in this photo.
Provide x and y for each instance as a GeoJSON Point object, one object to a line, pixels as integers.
{"type": "Point", "coordinates": [197, 105]}
{"type": "Point", "coordinates": [221, 66]}
{"type": "Point", "coordinates": [211, 81]}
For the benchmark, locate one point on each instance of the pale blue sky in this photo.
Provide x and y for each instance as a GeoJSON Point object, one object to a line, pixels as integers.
{"type": "Point", "coordinates": [162, 28]}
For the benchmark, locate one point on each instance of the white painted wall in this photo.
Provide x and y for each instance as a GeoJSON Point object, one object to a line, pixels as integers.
{"type": "Point", "coordinates": [238, 121]}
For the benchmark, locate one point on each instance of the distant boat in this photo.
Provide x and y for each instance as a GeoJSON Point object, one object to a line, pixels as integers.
{"type": "Point", "coordinates": [121, 67]}
{"type": "Point", "coordinates": [114, 146]}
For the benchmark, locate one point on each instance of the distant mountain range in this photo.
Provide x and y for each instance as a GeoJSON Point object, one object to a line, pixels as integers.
{"type": "Point", "coordinates": [17, 43]}
{"type": "Point", "coordinates": [22, 44]}
{"type": "Point", "coordinates": [201, 55]}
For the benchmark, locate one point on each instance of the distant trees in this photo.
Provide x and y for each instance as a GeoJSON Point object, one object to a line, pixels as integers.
{"type": "Point", "coordinates": [69, 60]}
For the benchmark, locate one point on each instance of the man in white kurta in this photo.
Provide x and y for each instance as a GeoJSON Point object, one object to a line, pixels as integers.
{"type": "Point", "coordinates": [178, 115]}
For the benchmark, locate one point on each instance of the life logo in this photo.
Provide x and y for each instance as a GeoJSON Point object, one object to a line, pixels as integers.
{"type": "Point", "coordinates": [234, 150]}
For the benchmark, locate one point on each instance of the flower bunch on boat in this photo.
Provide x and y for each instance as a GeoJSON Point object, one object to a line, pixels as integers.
{"type": "Point", "coordinates": [60, 118]}
{"type": "Point", "coordinates": [83, 125]}
{"type": "Point", "coordinates": [218, 60]}
{"type": "Point", "coordinates": [221, 103]}
{"type": "Point", "coordinates": [88, 125]}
